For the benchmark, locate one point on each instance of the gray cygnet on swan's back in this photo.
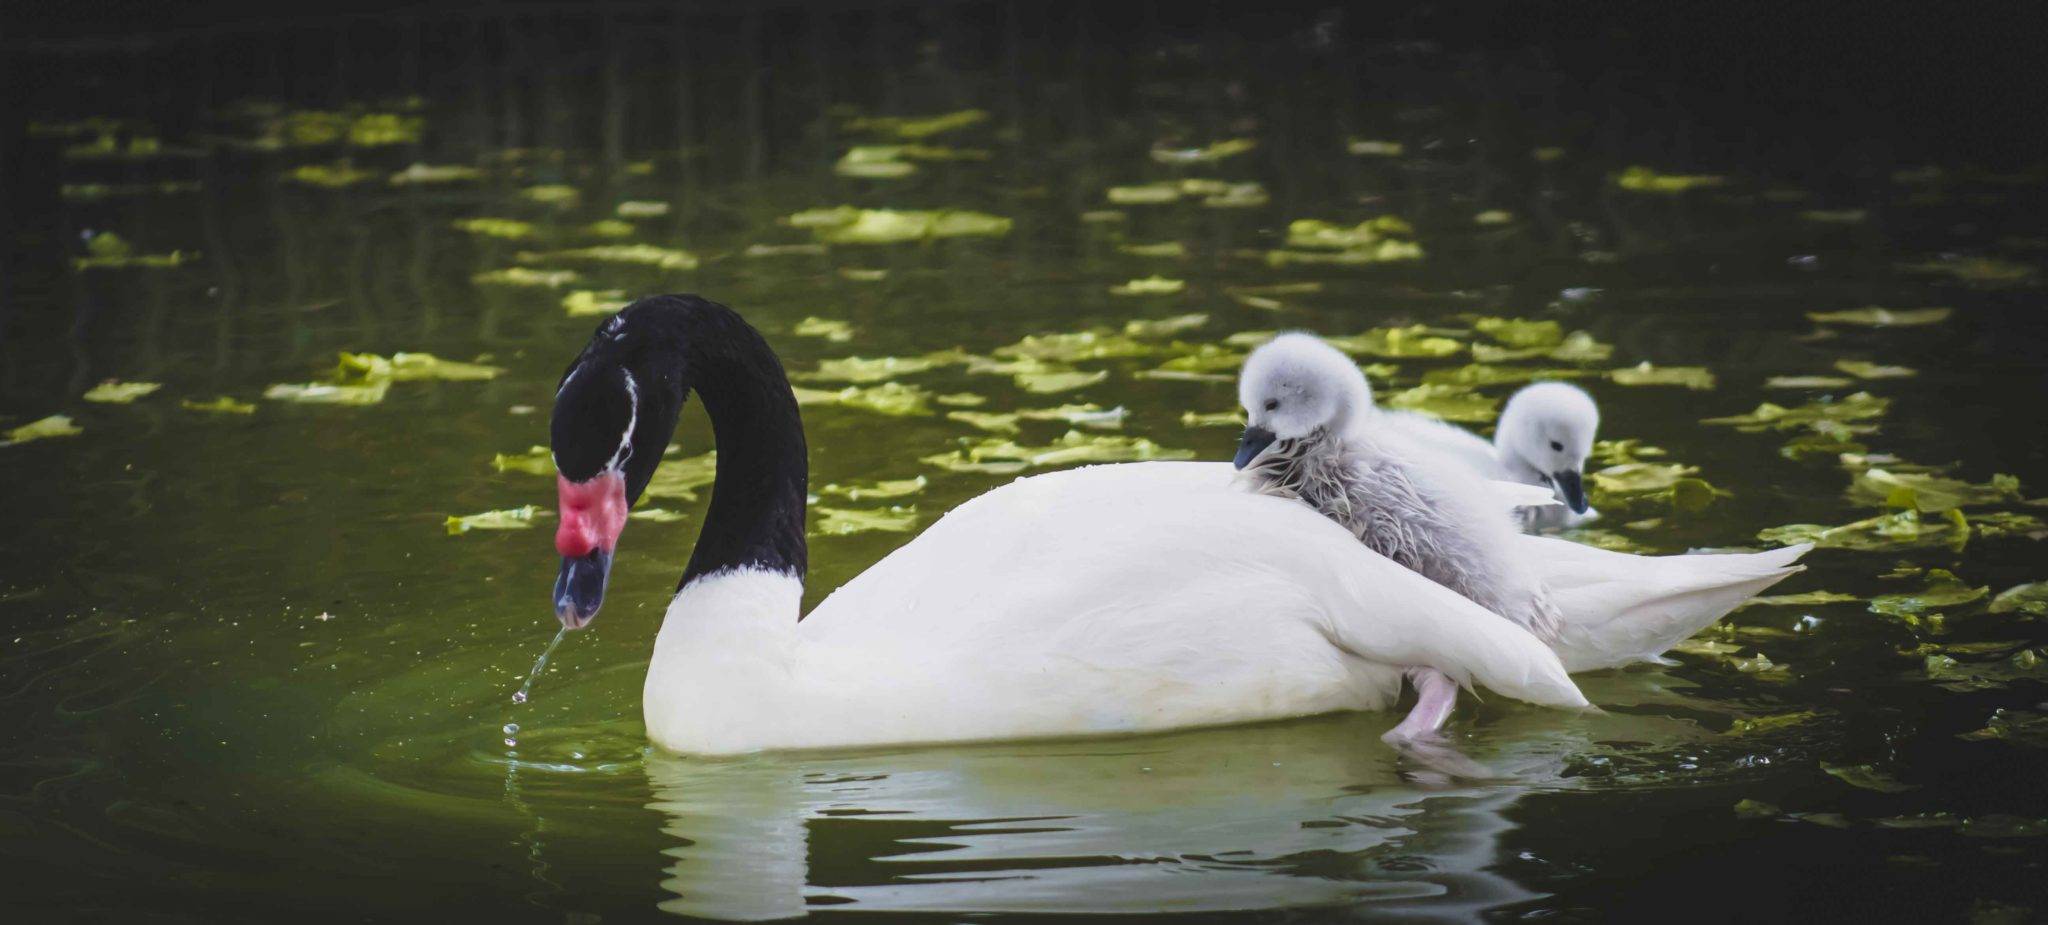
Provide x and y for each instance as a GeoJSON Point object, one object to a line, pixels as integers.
{"type": "Point", "coordinates": [1315, 436]}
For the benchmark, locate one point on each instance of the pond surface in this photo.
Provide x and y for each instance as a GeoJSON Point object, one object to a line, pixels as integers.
{"type": "Point", "coordinates": [249, 668]}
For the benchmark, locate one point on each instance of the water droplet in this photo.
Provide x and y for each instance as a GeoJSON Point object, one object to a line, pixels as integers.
{"type": "Point", "coordinates": [518, 696]}
{"type": "Point", "coordinates": [511, 742]}
{"type": "Point", "coordinates": [511, 729]}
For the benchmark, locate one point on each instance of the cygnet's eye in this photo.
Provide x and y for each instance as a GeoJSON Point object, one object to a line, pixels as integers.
{"type": "Point", "coordinates": [1272, 403]}
{"type": "Point", "coordinates": [1557, 446]}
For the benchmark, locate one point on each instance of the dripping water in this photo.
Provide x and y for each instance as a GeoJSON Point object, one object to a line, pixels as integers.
{"type": "Point", "coordinates": [539, 665]}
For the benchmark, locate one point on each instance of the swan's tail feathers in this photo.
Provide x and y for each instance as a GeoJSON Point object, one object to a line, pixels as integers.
{"type": "Point", "coordinates": [1619, 609]}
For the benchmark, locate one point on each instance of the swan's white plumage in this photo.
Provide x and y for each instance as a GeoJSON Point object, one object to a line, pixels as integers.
{"type": "Point", "coordinates": [1618, 609]}
{"type": "Point", "coordinates": [1106, 599]}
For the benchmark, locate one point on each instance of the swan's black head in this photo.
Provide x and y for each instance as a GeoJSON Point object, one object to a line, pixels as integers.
{"type": "Point", "coordinates": [615, 412]}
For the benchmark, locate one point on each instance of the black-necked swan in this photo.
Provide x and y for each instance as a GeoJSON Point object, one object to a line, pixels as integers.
{"type": "Point", "coordinates": [1545, 433]}
{"type": "Point", "coordinates": [1107, 599]}
{"type": "Point", "coordinates": [1314, 436]}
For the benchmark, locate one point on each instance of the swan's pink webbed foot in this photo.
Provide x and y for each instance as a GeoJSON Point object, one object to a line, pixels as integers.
{"type": "Point", "coordinates": [1435, 695]}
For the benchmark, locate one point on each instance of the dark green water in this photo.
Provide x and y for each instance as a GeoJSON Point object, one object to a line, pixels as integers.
{"type": "Point", "coordinates": [246, 673]}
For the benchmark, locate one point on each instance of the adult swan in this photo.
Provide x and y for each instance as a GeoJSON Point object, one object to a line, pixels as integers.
{"type": "Point", "coordinates": [1107, 599]}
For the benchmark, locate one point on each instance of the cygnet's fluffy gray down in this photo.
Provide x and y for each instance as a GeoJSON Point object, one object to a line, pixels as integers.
{"type": "Point", "coordinates": [1422, 511]}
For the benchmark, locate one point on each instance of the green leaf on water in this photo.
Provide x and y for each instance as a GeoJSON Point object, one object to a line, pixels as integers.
{"type": "Point", "coordinates": [893, 399]}
{"type": "Point", "coordinates": [219, 405]}
{"type": "Point", "coordinates": [1316, 234]}
{"type": "Point", "coordinates": [524, 277]}
{"type": "Point", "coordinates": [2018, 727]}
{"type": "Point", "coordinates": [1961, 677]}
{"type": "Point", "coordinates": [1867, 777]}
{"type": "Point", "coordinates": [680, 478]}
{"type": "Point", "coordinates": [1984, 272]}
{"type": "Point", "coordinates": [509, 229]}
{"type": "Point", "coordinates": [1494, 217]}
{"type": "Point", "coordinates": [1617, 452]}
{"type": "Point", "coordinates": [56, 425]}
{"type": "Point", "coordinates": [877, 490]}
{"type": "Point", "coordinates": [1577, 347]}
{"type": "Point", "coordinates": [1164, 327]}
{"type": "Point", "coordinates": [518, 518]}
{"type": "Point", "coordinates": [1045, 383]}
{"type": "Point", "coordinates": [1267, 298]}
{"type": "Point", "coordinates": [1396, 343]}
{"type": "Point", "coordinates": [1900, 530]}
{"type": "Point", "coordinates": [866, 369]}
{"type": "Point", "coordinates": [552, 194]}
{"type": "Point", "coordinates": [1807, 382]}
{"type": "Point", "coordinates": [849, 225]}
{"type": "Point", "coordinates": [1388, 251]}
{"type": "Point", "coordinates": [1645, 180]}
{"type": "Point", "coordinates": [1448, 402]}
{"type": "Point", "coordinates": [657, 515]}
{"type": "Point", "coordinates": [1090, 415]}
{"type": "Point", "coordinates": [419, 174]}
{"type": "Point", "coordinates": [1212, 419]}
{"type": "Point", "coordinates": [329, 176]}
{"type": "Point", "coordinates": [833, 521]}
{"type": "Point", "coordinates": [961, 400]}
{"type": "Point", "coordinates": [830, 329]}
{"type": "Point", "coordinates": [411, 367]}
{"type": "Point", "coordinates": [1072, 448]}
{"type": "Point", "coordinates": [1756, 809]}
{"type": "Point", "coordinates": [116, 392]}
{"type": "Point", "coordinates": [1802, 599]}
{"type": "Point", "coordinates": [1172, 250]}
{"type": "Point", "coordinates": [1929, 492]}
{"type": "Point", "coordinates": [1865, 370]}
{"type": "Point", "coordinates": [583, 302]}
{"type": "Point", "coordinates": [1861, 406]}
{"type": "Point", "coordinates": [665, 258]}
{"type": "Point", "coordinates": [1876, 316]}
{"type": "Point", "coordinates": [1483, 374]}
{"type": "Point", "coordinates": [1639, 477]}
{"type": "Point", "coordinates": [537, 460]}
{"type": "Point", "coordinates": [1207, 154]}
{"type": "Point", "coordinates": [1148, 194]}
{"type": "Point", "coordinates": [1944, 590]}
{"type": "Point", "coordinates": [1521, 332]}
{"type": "Point", "coordinates": [1698, 378]}
{"type": "Point", "coordinates": [1237, 196]}
{"type": "Point", "coordinates": [918, 127]}
{"type": "Point", "coordinates": [2030, 599]}
{"type": "Point", "coordinates": [1773, 723]}
{"type": "Point", "coordinates": [328, 393]}
{"type": "Point", "coordinates": [640, 208]}
{"type": "Point", "coordinates": [1151, 285]}
{"type": "Point", "coordinates": [1761, 667]}
{"type": "Point", "coordinates": [1609, 540]}
{"type": "Point", "coordinates": [998, 423]}
{"type": "Point", "coordinates": [1367, 147]}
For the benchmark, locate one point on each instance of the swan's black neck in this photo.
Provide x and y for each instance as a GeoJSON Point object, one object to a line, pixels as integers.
{"type": "Point", "coordinates": [667, 346]}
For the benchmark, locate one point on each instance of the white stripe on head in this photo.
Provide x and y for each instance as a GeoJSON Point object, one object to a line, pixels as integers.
{"type": "Point", "coordinates": [625, 450]}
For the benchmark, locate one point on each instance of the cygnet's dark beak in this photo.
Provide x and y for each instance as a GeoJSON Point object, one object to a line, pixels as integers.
{"type": "Point", "coordinates": [579, 591]}
{"type": "Point", "coordinates": [1571, 489]}
{"type": "Point", "coordinates": [1255, 441]}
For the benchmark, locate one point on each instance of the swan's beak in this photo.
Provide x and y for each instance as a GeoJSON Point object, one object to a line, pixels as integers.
{"type": "Point", "coordinates": [1571, 489]}
{"type": "Point", "coordinates": [580, 589]}
{"type": "Point", "coordinates": [1255, 441]}
{"type": "Point", "coordinates": [593, 514]}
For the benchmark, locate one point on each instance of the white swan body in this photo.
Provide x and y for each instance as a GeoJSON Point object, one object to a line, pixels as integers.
{"type": "Point", "coordinates": [1108, 599]}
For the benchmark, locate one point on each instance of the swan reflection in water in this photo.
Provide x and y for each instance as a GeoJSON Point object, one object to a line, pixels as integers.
{"type": "Point", "coordinates": [1305, 813]}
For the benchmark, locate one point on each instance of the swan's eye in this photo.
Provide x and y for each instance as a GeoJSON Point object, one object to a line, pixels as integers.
{"type": "Point", "coordinates": [1272, 403]}
{"type": "Point", "coordinates": [1557, 446]}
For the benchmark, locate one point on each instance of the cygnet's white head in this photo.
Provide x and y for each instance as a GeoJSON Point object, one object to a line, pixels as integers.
{"type": "Point", "coordinates": [1294, 384]}
{"type": "Point", "coordinates": [1545, 432]}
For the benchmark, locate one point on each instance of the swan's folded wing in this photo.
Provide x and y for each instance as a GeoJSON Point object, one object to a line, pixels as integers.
{"type": "Point", "coordinates": [1514, 495]}
{"type": "Point", "coordinates": [1619, 608]}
